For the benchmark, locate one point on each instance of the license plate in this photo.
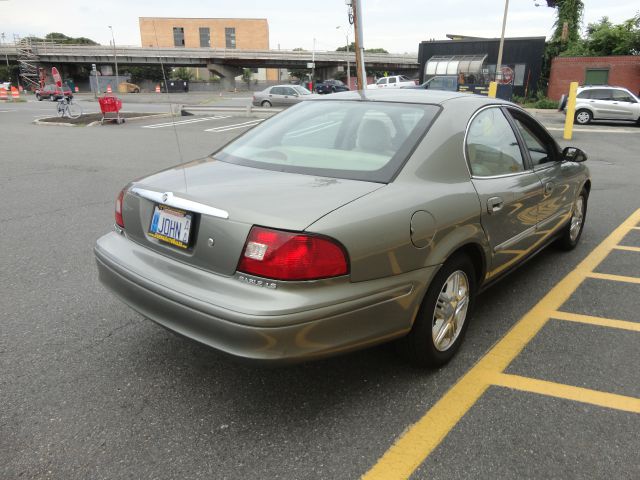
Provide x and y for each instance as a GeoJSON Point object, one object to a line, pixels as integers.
{"type": "Point", "coordinates": [171, 226]}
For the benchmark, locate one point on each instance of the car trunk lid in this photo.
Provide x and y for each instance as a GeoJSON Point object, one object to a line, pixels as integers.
{"type": "Point", "coordinates": [226, 200]}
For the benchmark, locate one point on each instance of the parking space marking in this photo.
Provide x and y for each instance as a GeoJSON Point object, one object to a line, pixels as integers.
{"type": "Point", "coordinates": [567, 392]}
{"type": "Point", "coordinates": [627, 248]}
{"type": "Point", "coordinates": [420, 439]}
{"type": "Point", "coordinates": [184, 122]}
{"type": "Point", "coordinates": [226, 128]}
{"type": "Point", "coordinates": [615, 278]}
{"type": "Point", "coordinates": [599, 321]}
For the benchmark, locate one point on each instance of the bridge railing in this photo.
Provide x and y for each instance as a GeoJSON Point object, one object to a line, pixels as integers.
{"type": "Point", "coordinates": [56, 49]}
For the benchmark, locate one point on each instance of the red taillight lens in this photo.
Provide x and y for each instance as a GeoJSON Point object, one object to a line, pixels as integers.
{"type": "Point", "coordinates": [291, 256]}
{"type": "Point", "coordinates": [119, 200]}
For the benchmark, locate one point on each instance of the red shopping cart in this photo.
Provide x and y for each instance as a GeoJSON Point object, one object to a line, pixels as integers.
{"type": "Point", "coordinates": [110, 107]}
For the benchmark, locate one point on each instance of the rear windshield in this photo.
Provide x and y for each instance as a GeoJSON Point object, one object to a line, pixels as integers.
{"type": "Point", "coordinates": [356, 140]}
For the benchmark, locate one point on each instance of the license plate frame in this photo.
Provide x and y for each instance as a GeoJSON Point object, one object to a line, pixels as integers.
{"type": "Point", "coordinates": [183, 218]}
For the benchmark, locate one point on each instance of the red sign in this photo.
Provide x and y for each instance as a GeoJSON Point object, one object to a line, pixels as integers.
{"type": "Point", "coordinates": [56, 76]}
{"type": "Point", "coordinates": [507, 75]}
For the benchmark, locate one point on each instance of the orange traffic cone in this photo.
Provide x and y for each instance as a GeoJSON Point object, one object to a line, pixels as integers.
{"type": "Point", "coordinates": [76, 89]}
{"type": "Point", "coordinates": [158, 88]}
{"type": "Point", "coordinates": [109, 88]}
{"type": "Point", "coordinates": [3, 94]}
{"type": "Point", "coordinates": [15, 94]}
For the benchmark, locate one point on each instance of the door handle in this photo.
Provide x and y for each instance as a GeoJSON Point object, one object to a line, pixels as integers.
{"type": "Point", "coordinates": [548, 188]}
{"type": "Point", "coordinates": [494, 204]}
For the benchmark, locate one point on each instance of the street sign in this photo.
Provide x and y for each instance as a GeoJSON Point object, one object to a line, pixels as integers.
{"type": "Point", "coordinates": [507, 75]}
{"type": "Point", "coordinates": [311, 65]}
{"type": "Point", "coordinates": [56, 76]}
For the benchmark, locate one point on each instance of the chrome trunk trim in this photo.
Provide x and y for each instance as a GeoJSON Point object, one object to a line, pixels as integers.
{"type": "Point", "coordinates": [169, 199]}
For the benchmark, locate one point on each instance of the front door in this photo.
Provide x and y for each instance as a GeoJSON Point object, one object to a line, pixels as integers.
{"type": "Point", "coordinates": [557, 177]}
{"type": "Point", "coordinates": [508, 188]}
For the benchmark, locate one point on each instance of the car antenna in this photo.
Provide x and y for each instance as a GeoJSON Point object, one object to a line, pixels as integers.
{"type": "Point", "coordinates": [173, 124]}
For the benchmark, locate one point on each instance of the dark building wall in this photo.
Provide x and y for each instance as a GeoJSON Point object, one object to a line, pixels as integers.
{"type": "Point", "coordinates": [528, 51]}
{"type": "Point", "coordinates": [622, 71]}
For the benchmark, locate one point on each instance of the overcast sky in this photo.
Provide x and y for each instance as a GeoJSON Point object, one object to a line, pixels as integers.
{"type": "Point", "coordinates": [397, 25]}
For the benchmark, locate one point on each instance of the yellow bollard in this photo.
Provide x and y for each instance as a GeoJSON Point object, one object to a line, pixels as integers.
{"type": "Point", "coordinates": [493, 89]}
{"type": "Point", "coordinates": [571, 111]}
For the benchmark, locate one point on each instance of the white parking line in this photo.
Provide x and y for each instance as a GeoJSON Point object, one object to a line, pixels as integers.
{"type": "Point", "coordinates": [226, 128]}
{"type": "Point", "coordinates": [4, 111]}
{"type": "Point", "coordinates": [184, 122]}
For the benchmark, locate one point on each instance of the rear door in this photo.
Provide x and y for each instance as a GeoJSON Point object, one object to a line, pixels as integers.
{"type": "Point", "coordinates": [393, 82]}
{"type": "Point", "coordinates": [508, 188]}
{"type": "Point", "coordinates": [601, 102]}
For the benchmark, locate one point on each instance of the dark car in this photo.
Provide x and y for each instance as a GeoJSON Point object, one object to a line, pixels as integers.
{"type": "Point", "coordinates": [53, 92]}
{"type": "Point", "coordinates": [331, 86]}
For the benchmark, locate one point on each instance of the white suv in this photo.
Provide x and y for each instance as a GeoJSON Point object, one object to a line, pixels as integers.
{"type": "Point", "coordinates": [606, 103]}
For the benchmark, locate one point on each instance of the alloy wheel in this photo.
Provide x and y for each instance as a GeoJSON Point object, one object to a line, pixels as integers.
{"type": "Point", "coordinates": [450, 311]}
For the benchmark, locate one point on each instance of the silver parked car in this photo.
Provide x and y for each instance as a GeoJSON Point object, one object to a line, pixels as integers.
{"type": "Point", "coordinates": [344, 222]}
{"type": "Point", "coordinates": [603, 102]}
{"type": "Point", "coordinates": [280, 96]}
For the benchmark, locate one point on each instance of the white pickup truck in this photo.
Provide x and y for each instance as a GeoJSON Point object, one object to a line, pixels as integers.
{"type": "Point", "coordinates": [396, 81]}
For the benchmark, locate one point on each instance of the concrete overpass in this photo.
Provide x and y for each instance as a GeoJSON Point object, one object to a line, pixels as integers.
{"type": "Point", "coordinates": [227, 63]}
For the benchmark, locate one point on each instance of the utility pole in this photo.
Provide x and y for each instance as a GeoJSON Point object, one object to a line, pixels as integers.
{"type": "Point", "coordinates": [313, 64]}
{"type": "Point", "coordinates": [361, 74]}
{"type": "Point", "coordinates": [115, 59]}
{"type": "Point", "coordinates": [346, 36]}
{"type": "Point", "coordinates": [6, 56]}
{"type": "Point", "coordinates": [504, 24]}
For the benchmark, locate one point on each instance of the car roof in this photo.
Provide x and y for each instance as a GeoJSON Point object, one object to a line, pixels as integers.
{"type": "Point", "coordinates": [589, 87]}
{"type": "Point", "coordinates": [410, 95]}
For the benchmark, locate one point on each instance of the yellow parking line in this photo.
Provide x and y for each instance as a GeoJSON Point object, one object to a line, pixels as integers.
{"type": "Point", "coordinates": [568, 392]}
{"type": "Point", "coordinates": [616, 278]}
{"type": "Point", "coordinates": [629, 249]}
{"type": "Point", "coordinates": [600, 321]}
{"type": "Point", "coordinates": [418, 441]}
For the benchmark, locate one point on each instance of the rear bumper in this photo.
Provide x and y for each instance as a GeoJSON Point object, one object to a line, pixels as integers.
{"type": "Point", "coordinates": [297, 321]}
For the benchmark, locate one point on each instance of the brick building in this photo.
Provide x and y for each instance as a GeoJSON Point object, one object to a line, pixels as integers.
{"type": "Point", "coordinates": [621, 71]}
{"type": "Point", "coordinates": [216, 33]}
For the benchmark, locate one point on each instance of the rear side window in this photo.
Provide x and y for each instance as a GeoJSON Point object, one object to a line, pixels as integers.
{"type": "Point", "coordinates": [601, 94]}
{"type": "Point", "coordinates": [343, 139]}
{"type": "Point", "coordinates": [492, 146]}
{"type": "Point", "coordinates": [622, 96]}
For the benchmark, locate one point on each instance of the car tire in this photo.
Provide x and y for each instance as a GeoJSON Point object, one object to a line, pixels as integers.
{"type": "Point", "coordinates": [266, 104]}
{"type": "Point", "coordinates": [137, 90]}
{"type": "Point", "coordinates": [583, 117]}
{"type": "Point", "coordinates": [436, 317]}
{"type": "Point", "coordinates": [38, 97]}
{"type": "Point", "coordinates": [573, 230]}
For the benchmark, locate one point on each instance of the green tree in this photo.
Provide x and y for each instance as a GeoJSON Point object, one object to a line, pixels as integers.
{"type": "Point", "coordinates": [568, 12]}
{"type": "Point", "coordinates": [247, 74]}
{"type": "Point", "coordinates": [146, 72]}
{"type": "Point", "coordinates": [604, 38]}
{"type": "Point", "coordinates": [352, 48]}
{"type": "Point", "coordinates": [182, 73]}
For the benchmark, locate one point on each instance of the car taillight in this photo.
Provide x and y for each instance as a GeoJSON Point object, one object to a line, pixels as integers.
{"type": "Point", "coordinates": [119, 200]}
{"type": "Point", "coordinates": [291, 256]}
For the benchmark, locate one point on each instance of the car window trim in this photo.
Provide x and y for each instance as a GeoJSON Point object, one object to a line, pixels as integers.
{"type": "Point", "coordinates": [465, 152]}
{"type": "Point", "coordinates": [537, 129]}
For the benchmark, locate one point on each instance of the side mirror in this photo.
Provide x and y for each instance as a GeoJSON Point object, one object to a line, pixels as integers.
{"type": "Point", "coordinates": [573, 154]}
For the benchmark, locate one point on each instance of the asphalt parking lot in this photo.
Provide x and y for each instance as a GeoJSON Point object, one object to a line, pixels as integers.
{"type": "Point", "coordinates": [546, 385]}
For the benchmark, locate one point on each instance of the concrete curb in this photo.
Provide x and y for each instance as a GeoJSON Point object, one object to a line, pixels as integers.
{"type": "Point", "coordinates": [248, 111]}
{"type": "Point", "coordinates": [39, 121]}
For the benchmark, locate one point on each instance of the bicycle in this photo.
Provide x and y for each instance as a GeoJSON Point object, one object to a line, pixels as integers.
{"type": "Point", "coordinates": [67, 108]}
